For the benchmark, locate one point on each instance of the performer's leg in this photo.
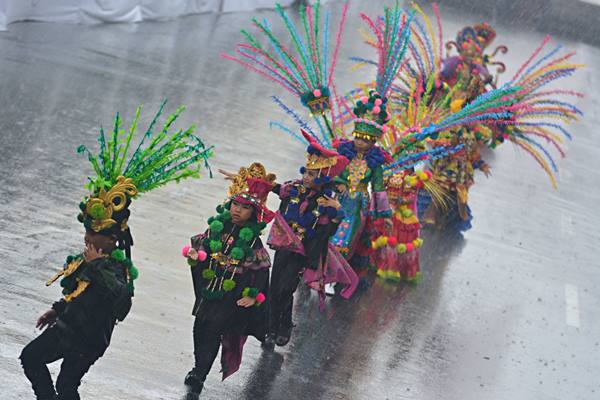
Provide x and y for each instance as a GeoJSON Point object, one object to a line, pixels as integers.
{"type": "Point", "coordinates": [274, 299]}
{"type": "Point", "coordinates": [41, 351]}
{"type": "Point", "coordinates": [285, 298]}
{"type": "Point", "coordinates": [206, 347]}
{"type": "Point", "coordinates": [74, 366]}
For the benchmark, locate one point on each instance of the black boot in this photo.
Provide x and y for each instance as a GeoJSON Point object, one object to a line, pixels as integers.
{"type": "Point", "coordinates": [283, 335]}
{"type": "Point", "coordinates": [284, 331]}
{"type": "Point", "coordinates": [194, 381]}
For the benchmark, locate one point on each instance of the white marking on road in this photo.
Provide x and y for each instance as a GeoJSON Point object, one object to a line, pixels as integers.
{"type": "Point", "coordinates": [572, 305]}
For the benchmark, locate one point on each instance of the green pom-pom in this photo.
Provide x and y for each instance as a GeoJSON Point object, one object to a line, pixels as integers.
{"type": "Point", "coordinates": [210, 220]}
{"type": "Point", "coordinates": [130, 288]}
{"type": "Point", "coordinates": [133, 273]}
{"type": "Point", "coordinates": [192, 263]}
{"type": "Point", "coordinates": [97, 211]}
{"type": "Point", "coordinates": [228, 285]}
{"type": "Point", "coordinates": [208, 274]}
{"type": "Point", "coordinates": [262, 225]}
{"type": "Point", "coordinates": [118, 254]}
{"type": "Point", "coordinates": [215, 246]}
{"type": "Point", "coordinates": [226, 215]}
{"type": "Point", "coordinates": [206, 243]}
{"type": "Point", "coordinates": [253, 292]}
{"type": "Point", "coordinates": [63, 283]}
{"type": "Point", "coordinates": [70, 259]}
{"type": "Point", "coordinates": [245, 292]}
{"type": "Point", "coordinates": [246, 234]}
{"type": "Point", "coordinates": [82, 206]}
{"type": "Point", "coordinates": [220, 209]}
{"type": "Point", "coordinates": [216, 226]}
{"type": "Point", "coordinates": [210, 295]}
{"type": "Point", "coordinates": [237, 253]}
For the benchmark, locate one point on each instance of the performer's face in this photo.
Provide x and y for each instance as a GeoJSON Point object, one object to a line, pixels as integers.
{"type": "Point", "coordinates": [362, 145]}
{"type": "Point", "coordinates": [308, 178]}
{"type": "Point", "coordinates": [240, 212]}
{"type": "Point", "coordinates": [101, 242]}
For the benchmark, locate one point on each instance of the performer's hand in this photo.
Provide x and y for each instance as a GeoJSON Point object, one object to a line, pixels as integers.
{"type": "Point", "coordinates": [91, 253]}
{"type": "Point", "coordinates": [341, 188]}
{"type": "Point", "coordinates": [47, 319]}
{"type": "Point", "coordinates": [485, 168]}
{"type": "Point", "coordinates": [192, 253]}
{"type": "Point", "coordinates": [246, 301]}
{"type": "Point", "coordinates": [388, 224]}
{"type": "Point", "coordinates": [331, 202]}
{"type": "Point", "coordinates": [228, 175]}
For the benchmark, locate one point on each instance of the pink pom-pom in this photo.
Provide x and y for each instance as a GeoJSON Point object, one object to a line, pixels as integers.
{"type": "Point", "coordinates": [202, 255]}
{"type": "Point", "coordinates": [410, 247]}
{"type": "Point", "coordinates": [364, 99]}
{"type": "Point", "coordinates": [376, 110]}
{"type": "Point", "coordinates": [317, 93]}
{"type": "Point", "coordinates": [260, 298]}
{"type": "Point", "coordinates": [392, 241]}
{"type": "Point", "coordinates": [384, 128]}
{"type": "Point", "coordinates": [185, 250]}
{"type": "Point", "coordinates": [378, 102]}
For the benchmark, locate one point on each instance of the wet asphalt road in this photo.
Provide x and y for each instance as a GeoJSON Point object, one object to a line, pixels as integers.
{"type": "Point", "coordinates": [509, 311]}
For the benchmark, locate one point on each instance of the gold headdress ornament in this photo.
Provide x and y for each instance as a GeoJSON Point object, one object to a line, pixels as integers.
{"type": "Point", "coordinates": [319, 161]}
{"type": "Point", "coordinates": [101, 207]}
{"type": "Point", "coordinates": [255, 170]}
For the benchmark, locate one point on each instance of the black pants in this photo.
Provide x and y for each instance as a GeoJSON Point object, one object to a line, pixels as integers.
{"type": "Point", "coordinates": [207, 340]}
{"type": "Point", "coordinates": [285, 276]}
{"type": "Point", "coordinates": [47, 348]}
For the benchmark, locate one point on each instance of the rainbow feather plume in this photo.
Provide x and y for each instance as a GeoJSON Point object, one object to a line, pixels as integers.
{"type": "Point", "coordinates": [306, 69]}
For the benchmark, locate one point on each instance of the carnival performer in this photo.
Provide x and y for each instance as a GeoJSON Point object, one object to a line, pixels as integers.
{"type": "Point", "coordinates": [308, 216]}
{"type": "Point", "coordinates": [230, 275]}
{"type": "Point", "coordinates": [465, 76]}
{"type": "Point", "coordinates": [98, 283]}
{"type": "Point", "coordinates": [397, 255]}
{"type": "Point", "coordinates": [364, 172]}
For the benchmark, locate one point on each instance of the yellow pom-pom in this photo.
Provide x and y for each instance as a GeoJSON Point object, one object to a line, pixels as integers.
{"type": "Point", "coordinates": [456, 105]}
{"type": "Point", "coordinates": [401, 248]}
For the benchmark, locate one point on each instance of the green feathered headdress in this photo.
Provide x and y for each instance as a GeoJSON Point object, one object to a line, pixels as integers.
{"type": "Point", "coordinates": [160, 157]}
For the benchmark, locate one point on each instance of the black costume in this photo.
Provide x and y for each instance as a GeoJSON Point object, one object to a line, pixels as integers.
{"type": "Point", "coordinates": [229, 263]}
{"type": "Point", "coordinates": [289, 265]}
{"type": "Point", "coordinates": [83, 328]}
{"type": "Point", "coordinates": [220, 320]}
